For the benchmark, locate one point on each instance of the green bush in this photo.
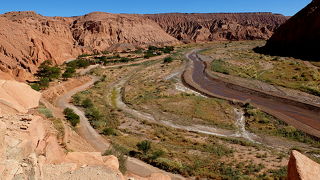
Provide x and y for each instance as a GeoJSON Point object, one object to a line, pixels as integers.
{"type": "Point", "coordinates": [87, 103]}
{"type": "Point", "coordinates": [168, 59]}
{"type": "Point", "coordinates": [109, 132]}
{"type": "Point", "coordinates": [156, 154]}
{"type": "Point", "coordinates": [79, 63]}
{"type": "Point", "coordinates": [69, 72]}
{"type": "Point", "coordinates": [144, 146]}
{"type": "Point", "coordinates": [47, 71]}
{"type": "Point", "coordinates": [148, 55]}
{"type": "Point", "coordinates": [45, 111]}
{"type": "Point", "coordinates": [220, 66]}
{"type": "Point", "coordinates": [120, 152]}
{"type": "Point", "coordinates": [35, 86]}
{"type": "Point", "coordinates": [71, 116]}
{"type": "Point", "coordinates": [93, 114]}
{"type": "Point", "coordinates": [152, 48]}
{"type": "Point", "coordinates": [167, 49]}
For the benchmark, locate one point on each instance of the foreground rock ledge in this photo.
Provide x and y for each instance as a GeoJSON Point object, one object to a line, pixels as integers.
{"type": "Point", "coordinates": [302, 168]}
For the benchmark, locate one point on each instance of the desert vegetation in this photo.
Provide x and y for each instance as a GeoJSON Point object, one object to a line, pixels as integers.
{"type": "Point", "coordinates": [71, 116]}
{"type": "Point", "coordinates": [239, 59]}
{"type": "Point", "coordinates": [168, 148]}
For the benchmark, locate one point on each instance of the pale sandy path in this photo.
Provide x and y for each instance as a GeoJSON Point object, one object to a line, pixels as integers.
{"type": "Point", "coordinates": [86, 131]}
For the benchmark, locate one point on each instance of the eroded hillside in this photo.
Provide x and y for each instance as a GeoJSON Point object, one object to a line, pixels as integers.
{"type": "Point", "coordinates": [219, 26]}
{"type": "Point", "coordinates": [27, 38]}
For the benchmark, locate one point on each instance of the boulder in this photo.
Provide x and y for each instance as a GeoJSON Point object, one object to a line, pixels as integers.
{"type": "Point", "coordinates": [301, 167]}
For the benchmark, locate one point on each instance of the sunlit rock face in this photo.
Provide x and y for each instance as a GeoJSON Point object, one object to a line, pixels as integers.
{"type": "Point", "coordinates": [302, 168]}
{"type": "Point", "coordinates": [219, 26]}
{"type": "Point", "coordinates": [27, 39]}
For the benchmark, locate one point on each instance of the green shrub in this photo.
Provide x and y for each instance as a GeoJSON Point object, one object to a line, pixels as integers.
{"type": "Point", "coordinates": [148, 55]}
{"type": "Point", "coordinates": [43, 83]}
{"type": "Point", "coordinates": [79, 63]}
{"type": "Point", "coordinates": [167, 49]}
{"type": "Point", "coordinates": [219, 66]}
{"type": "Point", "coordinates": [156, 154]}
{"type": "Point", "coordinates": [35, 86]}
{"type": "Point", "coordinates": [120, 152]}
{"type": "Point", "coordinates": [93, 114]}
{"type": "Point", "coordinates": [69, 72]}
{"type": "Point", "coordinates": [47, 71]}
{"type": "Point", "coordinates": [109, 132]}
{"type": "Point", "coordinates": [45, 111]}
{"type": "Point", "coordinates": [168, 59]}
{"type": "Point", "coordinates": [71, 116]}
{"type": "Point", "coordinates": [87, 103]}
{"type": "Point", "coordinates": [152, 48]}
{"type": "Point", "coordinates": [144, 146]}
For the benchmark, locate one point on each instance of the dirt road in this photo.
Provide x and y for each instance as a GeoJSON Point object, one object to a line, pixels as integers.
{"type": "Point", "coordinates": [84, 129]}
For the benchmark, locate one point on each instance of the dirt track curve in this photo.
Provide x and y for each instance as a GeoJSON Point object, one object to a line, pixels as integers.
{"type": "Point", "coordinates": [302, 116]}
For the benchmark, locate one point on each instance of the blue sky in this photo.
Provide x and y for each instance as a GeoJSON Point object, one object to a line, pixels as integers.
{"type": "Point", "coordinates": [80, 7]}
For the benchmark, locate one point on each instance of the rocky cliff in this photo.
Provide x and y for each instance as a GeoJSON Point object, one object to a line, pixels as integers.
{"type": "Point", "coordinates": [27, 38]}
{"type": "Point", "coordinates": [299, 36]}
{"type": "Point", "coordinates": [219, 26]}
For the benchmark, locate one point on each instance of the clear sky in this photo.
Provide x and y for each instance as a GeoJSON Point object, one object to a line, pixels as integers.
{"type": "Point", "coordinates": [81, 7]}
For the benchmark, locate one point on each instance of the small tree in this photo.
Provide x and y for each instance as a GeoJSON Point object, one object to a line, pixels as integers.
{"type": "Point", "coordinates": [46, 70]}
{"type": "Point", "coordinates": [144, 146]}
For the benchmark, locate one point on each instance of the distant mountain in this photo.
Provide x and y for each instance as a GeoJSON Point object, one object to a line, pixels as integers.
{"type": "Point", "coordinates": [299, 36]}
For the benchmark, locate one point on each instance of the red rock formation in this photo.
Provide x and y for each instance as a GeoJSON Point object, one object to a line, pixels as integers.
{"type": "Point", "coordinates": [219, 26]}
{"type": "Point", "coordinates": [27, 38]}
{"type": "Point", "coordinates": [301, 167]}
{"type": "Point", "coordinates": [299, 36]}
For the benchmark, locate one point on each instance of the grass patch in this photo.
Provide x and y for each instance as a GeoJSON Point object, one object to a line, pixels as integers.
{"type": "Point", "coordinates": [58, 125]}
{"type": "Point", "coordinates": [45, 111]}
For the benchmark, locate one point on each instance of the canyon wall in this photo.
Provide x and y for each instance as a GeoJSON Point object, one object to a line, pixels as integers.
{"type": "Point", "coordinates": [219, 26]}
{"type": "Point", "coordinates": [299, 36]}
{"type": "Point", "coordinates": [27, 38]}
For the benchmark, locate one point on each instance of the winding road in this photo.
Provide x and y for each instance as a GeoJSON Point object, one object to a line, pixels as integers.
{"type": "Point", "coordinates": [302, 116]}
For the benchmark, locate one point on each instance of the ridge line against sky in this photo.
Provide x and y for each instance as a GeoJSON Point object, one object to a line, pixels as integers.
{"type": "Point", "coordinates": [67, 8]}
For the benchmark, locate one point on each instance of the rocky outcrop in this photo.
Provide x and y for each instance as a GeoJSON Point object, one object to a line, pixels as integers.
{"type": "Point", "coordinates": [302, 168]}
{"type": "Point", "coordinates": [299, 36]}
{"type": "Point", "coordinates": [17, 96]}
{"type": "Point", "coordinates": [219, 26]}
{"type": "Point", "coordinates": [29, 150]}
{"type": "Point", "coordinates": [27, 38]}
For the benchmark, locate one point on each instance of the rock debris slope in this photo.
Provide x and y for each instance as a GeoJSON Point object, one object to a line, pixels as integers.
{"type": "Point", "coordinates": [299, 36]}
{"type": "Point", "coordinates": [219, 26]}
